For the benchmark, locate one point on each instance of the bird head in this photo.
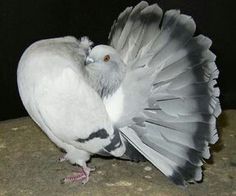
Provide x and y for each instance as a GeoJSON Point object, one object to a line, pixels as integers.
{"type": "Point", "coordinates": [105, 69]}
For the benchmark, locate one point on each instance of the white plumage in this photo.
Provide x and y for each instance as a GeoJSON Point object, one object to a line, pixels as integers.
{"type": "Point", "coordinates": [114, 105]}
{"type": "Point", "coordinates": [150, 93]}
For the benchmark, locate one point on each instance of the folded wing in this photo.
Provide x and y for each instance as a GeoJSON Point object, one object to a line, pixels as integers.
{"type": "Point", "coordinates": [58, 97]}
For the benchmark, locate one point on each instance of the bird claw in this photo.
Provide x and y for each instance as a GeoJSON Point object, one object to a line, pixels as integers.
{"type": "Point", "coordinates": [78, 176]}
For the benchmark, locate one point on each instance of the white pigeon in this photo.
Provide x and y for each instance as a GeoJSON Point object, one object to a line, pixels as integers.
{"type": "Point", "coordinates": [149, 93]}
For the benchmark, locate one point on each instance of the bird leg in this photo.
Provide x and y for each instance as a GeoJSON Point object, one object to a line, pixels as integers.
{"type": "Point", "coordinates": [79, 176]}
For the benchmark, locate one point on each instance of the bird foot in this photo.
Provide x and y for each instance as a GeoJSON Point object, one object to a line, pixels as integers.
{"type": "Point", "coordinates": [78, 176]}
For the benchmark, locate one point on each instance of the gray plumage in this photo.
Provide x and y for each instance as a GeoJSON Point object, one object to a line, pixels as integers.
{"type": "Point", "coordinates": [54, 89]}
{"type": "Point", "coordinates": [177, 110]}
{"type": "Point", "coordinates": [105, 77]}
{"type": "Point", "coordinates": [152, 93]}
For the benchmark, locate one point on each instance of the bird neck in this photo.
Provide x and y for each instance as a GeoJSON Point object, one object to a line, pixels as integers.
{"type": "Point", "coordinates": [105, 84]}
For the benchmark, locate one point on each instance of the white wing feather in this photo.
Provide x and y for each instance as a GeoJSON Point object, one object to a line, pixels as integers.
{"type": "Point", "coordinates": [56, 95]}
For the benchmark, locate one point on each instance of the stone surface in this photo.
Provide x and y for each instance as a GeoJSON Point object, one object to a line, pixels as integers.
{"type": "Point", "coordinates": [29, 166]}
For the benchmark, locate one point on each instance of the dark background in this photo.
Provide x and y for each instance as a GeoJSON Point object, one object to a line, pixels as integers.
{"type": "Point", "coordinates": [23, 22]}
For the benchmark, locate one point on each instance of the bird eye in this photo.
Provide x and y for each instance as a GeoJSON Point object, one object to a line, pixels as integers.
{"type": "Point", "coordinates": [106, 58]}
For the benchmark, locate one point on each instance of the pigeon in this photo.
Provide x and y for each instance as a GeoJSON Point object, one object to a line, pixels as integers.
{"type": "Point", "coordinates": [149, 94]}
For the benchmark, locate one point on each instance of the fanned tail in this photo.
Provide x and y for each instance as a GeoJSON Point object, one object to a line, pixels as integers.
{"type": "Point", "coordinates": [178, 122]}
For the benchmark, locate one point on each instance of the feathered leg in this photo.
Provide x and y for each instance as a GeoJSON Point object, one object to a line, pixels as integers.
{"type": "Point", "coordinates": [78, 157]}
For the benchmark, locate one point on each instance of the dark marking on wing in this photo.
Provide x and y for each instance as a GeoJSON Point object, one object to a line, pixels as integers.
{"type": "Point", "coordinates": [130, 154]}
{"type": "Point", "coordinates": [101, 133]}
{"type": "Point", "coordinates": [115, 142]}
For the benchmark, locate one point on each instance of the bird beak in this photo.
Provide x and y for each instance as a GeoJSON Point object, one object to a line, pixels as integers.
{"type": "Point", "coordinates": [88, 60]}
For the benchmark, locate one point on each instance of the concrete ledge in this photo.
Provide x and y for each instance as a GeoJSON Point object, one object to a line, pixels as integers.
{"type": "Point", "coordinates": [28, 166]}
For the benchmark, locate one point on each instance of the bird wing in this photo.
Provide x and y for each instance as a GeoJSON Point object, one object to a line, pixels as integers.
{"type": "Point", "coordinates": [167, 105]}
{"type": "Point", "coordinates": [61, 101]}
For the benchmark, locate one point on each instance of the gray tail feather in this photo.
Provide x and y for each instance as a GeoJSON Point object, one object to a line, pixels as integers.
{"type": "Point", "coordinates": [157, 159]}
{"type": "Point", "coordinates": [175, 130]}
{"type": "Point", "coordinates": [132, 153]}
